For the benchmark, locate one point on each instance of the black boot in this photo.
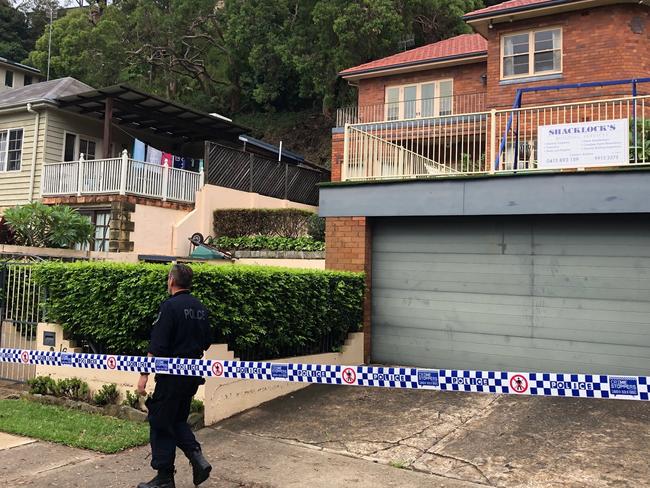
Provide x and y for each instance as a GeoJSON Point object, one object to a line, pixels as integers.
{"type": "Point", "coordinates": [164, 479]}
{"type": "Point", "coordinates": [200, 466]}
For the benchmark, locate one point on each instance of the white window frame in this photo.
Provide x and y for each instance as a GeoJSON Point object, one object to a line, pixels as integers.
{"type": "Point", "coordinates": [78, 138]}
{"type": "Point", "coordinates": [531, 53]}
{"type": "Point", "coordinates": [6, 152]}
{"type": "Point", "coordinates": [93, 245]}
{"type": "Point", "coordinates": [418, 99]}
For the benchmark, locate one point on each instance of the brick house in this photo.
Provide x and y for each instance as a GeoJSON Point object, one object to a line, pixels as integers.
{"type": "Point", "coordinates": [490, 240]}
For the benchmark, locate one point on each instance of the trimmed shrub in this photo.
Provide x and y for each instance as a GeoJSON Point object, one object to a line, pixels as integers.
{"type": "Point", "coordinates": [316, 228]}
{"type": "Point", "coordinates": [72, 388]}
{"type": "Point", "coordinates": [107, 395]}
{"type": "Point", "coordinates": [286, 222]}
{"type": "Point", "coordinates": [270, 310]}
{"type": "Point", "coordinates": [42, 385]}
{"type": "Point", "coordinates": [257, 243]}
{"type": "Point", "coordinates": [131, 400]}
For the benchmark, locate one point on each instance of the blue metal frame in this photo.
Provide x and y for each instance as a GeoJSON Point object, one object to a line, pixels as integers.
{"type": "Point", "coordinates": [520, 95]}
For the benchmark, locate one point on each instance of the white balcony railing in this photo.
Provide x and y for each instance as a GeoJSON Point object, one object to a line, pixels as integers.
{"type": "Point", "coordinates": [487, 142]}
{"type": "Point", "coordinates": [120, 176]}
{"type": "Point", "coordinates": [411, 109]}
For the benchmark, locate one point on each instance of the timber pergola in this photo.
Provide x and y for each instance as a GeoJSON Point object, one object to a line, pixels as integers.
{"type": "Point", "coordinates": [132, 108]}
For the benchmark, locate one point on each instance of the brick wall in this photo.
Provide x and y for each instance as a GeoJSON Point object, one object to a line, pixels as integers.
{"type": "Point", "coordinates": [348, 248]}
{"type": "Point", "coordinates": [604, 43]}
{"type": "Point", "coordinates": [467, 79]}
{"type": "Point", "coordinates": [348, 242]}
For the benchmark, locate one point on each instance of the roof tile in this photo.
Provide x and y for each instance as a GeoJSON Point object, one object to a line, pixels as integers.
{"type": "Point", "coordinates": [455, 46]}
{"type": "Point", "coordinates": [494, 9]}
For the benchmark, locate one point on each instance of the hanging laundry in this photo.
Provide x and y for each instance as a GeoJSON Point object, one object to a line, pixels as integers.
{"type": "Point", "coordinates": [167, 159]}
{"type": "Point", "coordinates": [154, 156]}
{"type": "Point", "coordinates": [139, 149]}
{"type": "Point", "coordinates": [179, 162]}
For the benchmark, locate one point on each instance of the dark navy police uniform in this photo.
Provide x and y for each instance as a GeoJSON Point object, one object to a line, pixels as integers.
{"type": "Point", "coordinates": [182, 330]}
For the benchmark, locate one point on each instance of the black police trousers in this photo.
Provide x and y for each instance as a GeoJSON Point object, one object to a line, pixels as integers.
{"type": "Point", "coordinates": [169, 407]}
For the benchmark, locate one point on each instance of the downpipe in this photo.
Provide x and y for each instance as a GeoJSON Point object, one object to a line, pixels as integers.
{"type": "Point", "coordinates": [37, 129]}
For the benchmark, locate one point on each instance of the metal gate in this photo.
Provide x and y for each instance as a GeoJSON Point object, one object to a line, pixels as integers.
{"type": "Point", "coordinates": [20, 313]}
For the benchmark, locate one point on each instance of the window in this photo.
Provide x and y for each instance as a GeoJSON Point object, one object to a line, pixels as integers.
{"type": "Point", "coordinates": [9, 78]}
{"type": "Point", "coordinates": [531, 53]}
{"type": "Point", "coordinates": [429, 99]}
{"type": "Point", "coordinates": [28, 80]}
{"type": "Point", "coordinates": [101, 220]}
{"type": "Point", "coordinates": [76, 145]}
{"type": "Point", "coordinates": [11, 148]}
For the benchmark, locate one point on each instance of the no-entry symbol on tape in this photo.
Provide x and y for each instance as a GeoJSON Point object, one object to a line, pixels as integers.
{"type": "Point", "coordinates": [519, 383]}
{"type": "Point", "coordinates": [111, 362]}
{"type": "Point", "coordinates": [217, 369]}
{"type": "Point", "coordinates": [349, 375]}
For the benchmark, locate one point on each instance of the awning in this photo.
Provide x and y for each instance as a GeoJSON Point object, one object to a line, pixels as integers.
{"type": "Point", "coordinates": [149, 114]}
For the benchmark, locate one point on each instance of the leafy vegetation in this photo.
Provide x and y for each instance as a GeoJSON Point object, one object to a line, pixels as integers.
{"type": "Point", "coordinates": [131, 400]}
{"type": "Point", "coordinates": [107, 395]}
{"type": "Point", "coordinates": [39, 225]}
{"type": "Point", "coordinates": [71, 388]}
{"type": "Point", "coordinates": [274, 55]}
{"type": "Point", "coordinates": [270, 309]}
{"type": "Point", "coordinates": [42, 385]}
{"type": "Point", "coordinates": [286, 222]}
{"type": "Point", "coordinates": [640, 140]}
{"type": "Point", "coordinates": [196, 406]}
{"type": "Point", "coordinates": [71, 427]}
{"type": "Point", "coordinates": [264, 243]}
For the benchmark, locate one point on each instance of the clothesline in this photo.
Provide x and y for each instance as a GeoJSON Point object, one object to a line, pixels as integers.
{"type": "Point", "coordinates": [150, 154]}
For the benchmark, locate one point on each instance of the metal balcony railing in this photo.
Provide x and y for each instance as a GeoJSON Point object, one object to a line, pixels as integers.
{"type": "Point", "coordinates": [411, 109]}
{"type": "Point", "coordinates": [120, 176]}
{"type": "Point", "coordinates": [494, 141]}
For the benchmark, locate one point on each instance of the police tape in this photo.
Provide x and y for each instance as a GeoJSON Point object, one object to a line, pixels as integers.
{"type": "Point", "coordinates": [498, 382]}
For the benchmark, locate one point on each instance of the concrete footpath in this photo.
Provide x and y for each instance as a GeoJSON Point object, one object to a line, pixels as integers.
{"type": "Point", "coordinates": [240, 461]}
{"type": "Point", "coordinates": [330, 437]}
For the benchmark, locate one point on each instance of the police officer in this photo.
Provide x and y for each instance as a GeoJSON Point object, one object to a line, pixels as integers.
{"type": "Point", "coordinates": [182, 330]}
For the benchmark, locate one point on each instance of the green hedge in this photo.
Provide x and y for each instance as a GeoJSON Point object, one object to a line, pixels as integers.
{"type": "Point", "coordinates": [269, 310]}
{"type": "Point", "coordinates": [240, 222]}
{"type": "Point", "coordinates": [257, 243]}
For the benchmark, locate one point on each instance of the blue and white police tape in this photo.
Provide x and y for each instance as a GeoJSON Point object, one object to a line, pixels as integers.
{"type": "Point", "coordinates": [499, 382]}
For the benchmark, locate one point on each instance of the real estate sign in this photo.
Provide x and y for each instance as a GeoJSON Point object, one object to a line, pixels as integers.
{"type": "Point", "coordinates": [582, 144]}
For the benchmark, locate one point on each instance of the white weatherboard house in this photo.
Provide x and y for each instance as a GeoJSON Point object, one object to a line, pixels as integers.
{"type": "Point", "coordinates": [64, 142]}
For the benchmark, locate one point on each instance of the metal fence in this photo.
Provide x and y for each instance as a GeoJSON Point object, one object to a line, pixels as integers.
{"type": "Point", "coordinates": [411, 109]}
{"type": "Point", "coordinates": [20, 312]}
{"type": "Point", "coordinates": [485, 142]}
{"type": "Point", "coordinates": [243, 171]}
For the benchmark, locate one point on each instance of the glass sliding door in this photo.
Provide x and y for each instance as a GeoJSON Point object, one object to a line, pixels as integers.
{"type": "Point", "coordinates": [410, 102]}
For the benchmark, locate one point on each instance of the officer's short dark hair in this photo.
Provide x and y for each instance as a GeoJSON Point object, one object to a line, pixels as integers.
{"type": "Point", "coordinates": [182, 275]}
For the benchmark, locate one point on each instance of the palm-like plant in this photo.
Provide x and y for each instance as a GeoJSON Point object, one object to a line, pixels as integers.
{"type": "Point", "coordinates": [41, 225]}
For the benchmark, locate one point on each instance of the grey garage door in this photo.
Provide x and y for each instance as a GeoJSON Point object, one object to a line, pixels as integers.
{"type": "Point", "coordinates": [565, 294]}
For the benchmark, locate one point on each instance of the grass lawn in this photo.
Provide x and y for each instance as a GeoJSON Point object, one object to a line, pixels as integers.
{"type": "Point", "coordinates": [71, 427]}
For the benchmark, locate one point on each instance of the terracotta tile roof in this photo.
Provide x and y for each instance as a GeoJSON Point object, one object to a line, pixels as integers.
{"type": "Point", "coordinates": [466, 44]}
{"type": "Point", "coordinates": [512, 4]}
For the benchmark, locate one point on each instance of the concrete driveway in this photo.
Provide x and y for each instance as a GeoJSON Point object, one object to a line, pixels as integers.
{"type": "Point", "coordinates": [484, 439]}
{"type": "Point", "coordinates": [330, 437]}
